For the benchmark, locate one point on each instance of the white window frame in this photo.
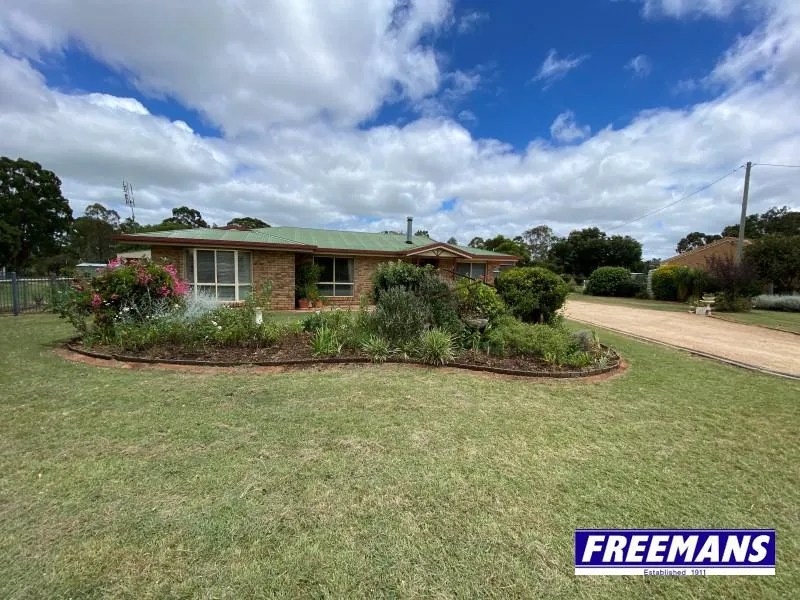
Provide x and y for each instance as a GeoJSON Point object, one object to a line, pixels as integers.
{"type": "Point", "coordinates": [350, 284]}
{"type": "Point", "coordinates": [236, 285]}
{"type": "Point", "coordinates": [471, 264]}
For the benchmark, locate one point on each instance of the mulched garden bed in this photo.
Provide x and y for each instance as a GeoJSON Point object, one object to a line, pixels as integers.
{"type": "Point", "coordinates": [296, 350]}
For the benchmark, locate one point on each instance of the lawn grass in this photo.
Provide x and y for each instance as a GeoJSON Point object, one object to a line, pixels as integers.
{"type": "Point", "coordinates": [634, 302]}
{"type": "Point", "coordinates": [783, 321]}
{"type": "Point", "coordinates": [377, 482]}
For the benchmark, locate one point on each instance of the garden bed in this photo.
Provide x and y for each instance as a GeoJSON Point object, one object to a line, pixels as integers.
{"type": "Point", "coordinates": [294, 351]}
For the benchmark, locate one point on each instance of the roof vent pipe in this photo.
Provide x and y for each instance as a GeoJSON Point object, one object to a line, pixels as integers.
{"type": "Point", "coordinates": [409, 228]}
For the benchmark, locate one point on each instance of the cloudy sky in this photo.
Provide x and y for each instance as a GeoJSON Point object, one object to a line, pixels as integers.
{"type": "Point", "coordinates": [476, 118]}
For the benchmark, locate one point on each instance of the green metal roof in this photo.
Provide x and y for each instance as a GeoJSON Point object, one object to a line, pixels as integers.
{"type": "Point", "coordinates": [351, 240]}
{"type": "Point", "coordinates": [253, 236]}
{"type": "Point", "coordinates": [315, 238]}
{"type": "Point", "coordinates": [479, 251]}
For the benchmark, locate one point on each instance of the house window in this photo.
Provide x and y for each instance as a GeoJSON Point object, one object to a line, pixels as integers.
{"type": "Point", "coordinates": [222, 274]}
{"type": "Point", "coordinates": [473, 270]}
{"type": "Point", "coordinates": [336, 278]}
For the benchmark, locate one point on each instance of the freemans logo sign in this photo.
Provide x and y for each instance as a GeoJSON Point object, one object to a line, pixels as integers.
{"type": "Point", "coordinates": [675, 552]}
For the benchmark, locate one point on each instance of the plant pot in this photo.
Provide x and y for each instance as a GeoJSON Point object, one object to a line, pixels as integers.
{"type": "Point", "coordinates": [303, 303]}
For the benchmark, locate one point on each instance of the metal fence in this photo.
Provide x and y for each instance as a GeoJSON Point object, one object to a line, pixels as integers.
{"type": "Point", "coordinates": [29, 294]}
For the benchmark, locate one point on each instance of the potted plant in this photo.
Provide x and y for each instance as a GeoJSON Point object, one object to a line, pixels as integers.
{"type": "Point", "coordinates": [306, 290]}
{"type": "Point", "coordinates": [314, 299]}
{"type": "Point", "coordinates": [301, 291]}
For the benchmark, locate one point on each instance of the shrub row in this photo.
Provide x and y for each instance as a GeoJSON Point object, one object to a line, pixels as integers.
{"type": "Point", "coordinates": [612, 281]}
{"type": "Point", "coordinates": [782, 303]}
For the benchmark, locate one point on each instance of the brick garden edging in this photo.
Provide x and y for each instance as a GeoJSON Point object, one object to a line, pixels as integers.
{"type": "Point", "coordinates": [615, 363]}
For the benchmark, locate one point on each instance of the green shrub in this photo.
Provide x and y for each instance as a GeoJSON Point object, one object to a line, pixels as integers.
{"type": "Point", "coordinates": [325, 343]}
{"type": "Point", "coordinates": [377, 348]}
{"type": "Point", "coordinates": [436, 297]}
{"type": "Point", "coordinates": [441, 303]}
{"type": "Point", "coordinates": [511, 337]}
{"type": "Point", "coordinates": [611, 281]}
{"type": "Point", "coordinates": [532, 294]}
{"type": "Point", "coordinates": [335, 320]}
{"type": "Point", "coordinates": [677, 283]}
{"type": "Point", "coordinates": [665, 284]}
{"type": "Point", "coordinates": [400, 315]}
{"type": "Point", "coordinates": [436, 347]}
{"type": "Point", "coordinates": [476, 299]}
{"type": "Point", "coordinates": [398, 275]}
{"type": "Point", "coordinates": [122, 292]}
{"type": "Point", "coordinates": [222, 326]}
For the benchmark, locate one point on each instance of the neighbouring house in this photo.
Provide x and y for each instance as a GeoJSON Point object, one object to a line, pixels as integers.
{"type": "Point", "coordinates": [133, 255]}
{"type": "Point", "coordinates": [229, 263]}
{"type": "Point", "coordinates": [696, 258]}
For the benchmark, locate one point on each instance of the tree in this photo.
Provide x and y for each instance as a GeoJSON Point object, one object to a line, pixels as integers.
{"type": "Point", "coordinates": [452, 241]}
{"type": "Point", "coordinates": [91, 237]}
{"type": "Point", "coordinates": [502, 244]}
{"type": "Point", "coordinates": [581, 252]}
{"type": "Point", "coordinates": [694, 240]}
{"type": "Point", "coordinates": [248, 222]}
{"type": "Point", "coordinates": [777, 260]}
{"type": "Point", "coordinates": [476, 242]}
{"type": "Point", "coordinates": [539, 241]}
{"type": "Point", "coordinates": [776, 221]}
{"type": "Point", "coordinates": [422, 233]}
{"type": "Point", "coordinates": [780, 221]}
{"type": "Point", "coordinates": [101, 213]}
{"type": "Point", "coordinates": [753, 228]}
{"type": "Point", "coordinates": [186, 216]}
{"type": "Point", "coordinates": [34, 215]}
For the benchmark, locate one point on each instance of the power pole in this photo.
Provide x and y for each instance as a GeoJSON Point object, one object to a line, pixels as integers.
{"type": "Point", "coordinates": [740, 243]}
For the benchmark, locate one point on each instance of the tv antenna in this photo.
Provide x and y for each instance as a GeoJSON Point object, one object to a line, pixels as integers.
{"type": "Point", "coordinates": [127, 190]}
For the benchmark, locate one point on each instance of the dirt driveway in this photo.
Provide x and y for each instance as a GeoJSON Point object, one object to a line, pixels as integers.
{"type": "Point", "coordinates": [758, 346]}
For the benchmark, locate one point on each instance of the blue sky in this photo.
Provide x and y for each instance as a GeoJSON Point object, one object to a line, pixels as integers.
{"type": "Point", "coordinates": [476, 117]}
{"type": "Point", "coordinates": [506, 46]}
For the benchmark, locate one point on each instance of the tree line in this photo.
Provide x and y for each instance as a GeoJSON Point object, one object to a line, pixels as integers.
{"type": "Point", "coordinates": [578, 254]}
{"type": "Point", "coordinates": [40, 234]}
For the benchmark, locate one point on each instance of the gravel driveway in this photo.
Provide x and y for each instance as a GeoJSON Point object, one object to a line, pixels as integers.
{"type": "Point", "coordinates": [757, 346]}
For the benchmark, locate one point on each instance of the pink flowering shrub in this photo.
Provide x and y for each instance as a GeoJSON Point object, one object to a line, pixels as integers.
{"type": "Point", "coordinates": [134, 291]}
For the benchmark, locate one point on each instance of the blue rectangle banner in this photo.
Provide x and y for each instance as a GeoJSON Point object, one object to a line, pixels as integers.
{"type": "Point", "coordinates": [675, 552]}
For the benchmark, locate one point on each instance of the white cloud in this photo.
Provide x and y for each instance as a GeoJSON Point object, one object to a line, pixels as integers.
{"type": "Point", "coordinates": [565, 129]}
{"type": "Point", "coordinates": [690, 8]}
{"type": "Point", "coordinates": [467, 116]}
{"type": "Point", "coordinates": [640, 65]}
{"type": "Point", "coordinates": [319, 171]}
{"type": "Point", "coordinates": [470, 21]}
{"type": "Point", "coordinates": [248, 64]}
{"type": "Point", "coordinates": [554, 68]}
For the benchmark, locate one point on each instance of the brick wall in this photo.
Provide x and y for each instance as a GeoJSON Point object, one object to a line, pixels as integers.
{"type": "Point", "coordinates": [173, 255]}
{"type": "Point", "coordinates": [278, 267]}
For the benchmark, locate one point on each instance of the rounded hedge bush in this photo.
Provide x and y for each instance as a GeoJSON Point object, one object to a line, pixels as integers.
{"type": "Point", "coordinates": [533, 294]}
{"type": "Point", "coordinates": [611, 281]}
{"type": "Point", "coordinates": [678, 283]}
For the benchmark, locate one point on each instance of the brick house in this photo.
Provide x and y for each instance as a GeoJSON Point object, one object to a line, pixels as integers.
{"type": "Point", "coordinates": [696, 259]}
{"type": "Point", "coordinates": [230, 263]}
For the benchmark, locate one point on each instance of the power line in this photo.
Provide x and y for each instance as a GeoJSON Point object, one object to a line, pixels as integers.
{"type": "Point", "coordinates": [694, 193]}
{"type": "Point", "coordinates": [771, 165]}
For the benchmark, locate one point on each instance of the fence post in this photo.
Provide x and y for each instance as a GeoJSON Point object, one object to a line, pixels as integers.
{"type": "Point", "coordinates": [14, 295]}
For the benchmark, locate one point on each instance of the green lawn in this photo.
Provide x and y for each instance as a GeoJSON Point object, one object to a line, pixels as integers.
{"type": "Point", "coordinates": [784, 321]}
{"type": "Point", "coordinates": [377, 482]}
{"type": "Point", "coordinates": [635, 302]}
